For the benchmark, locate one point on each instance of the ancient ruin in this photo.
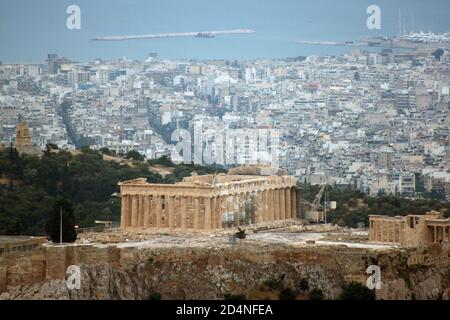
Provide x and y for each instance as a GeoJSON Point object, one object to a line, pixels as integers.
{"type": "Point", "coordinates": [209, 202]}
{"type": "Point", "coordinates": [24, 142]}
{"type": "Point", "coordinates": [23, 136]}
{"type": "Point", "coordinates": [410, 230]}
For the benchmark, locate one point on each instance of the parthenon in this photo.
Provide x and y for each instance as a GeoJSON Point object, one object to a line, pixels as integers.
{"type": "Point", "coordinates": [209, 202]}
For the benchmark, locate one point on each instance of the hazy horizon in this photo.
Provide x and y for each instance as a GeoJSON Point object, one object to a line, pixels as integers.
{"type": "Point", "coordinates": [31, 30]}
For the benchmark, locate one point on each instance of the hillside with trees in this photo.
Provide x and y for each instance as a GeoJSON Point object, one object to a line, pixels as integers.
{"type": "Point", "coordinates": [31, 185]}
{"type": "Point", "coordinates": [355, 206]}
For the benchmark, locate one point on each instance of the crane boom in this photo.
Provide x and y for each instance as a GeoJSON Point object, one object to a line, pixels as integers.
{"type": "Point", "coordinates": [316, 201]}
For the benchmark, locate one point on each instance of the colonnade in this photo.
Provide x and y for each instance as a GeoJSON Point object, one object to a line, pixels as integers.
{"type": "Point", "coordinates": [387, 230]}
{"type": "Point", "coordinates": [440, 233]}
{"type": "Point", "coordinates": [209, 211]}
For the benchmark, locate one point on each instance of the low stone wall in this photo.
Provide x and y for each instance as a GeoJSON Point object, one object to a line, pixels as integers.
{"type": "Point", "coordinates": [111, 272]}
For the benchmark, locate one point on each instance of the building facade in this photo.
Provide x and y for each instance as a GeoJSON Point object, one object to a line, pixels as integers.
{"type": "Point", "coordinates": [410, 230]}
{"type": "Point", "coordinates": [209, 202]}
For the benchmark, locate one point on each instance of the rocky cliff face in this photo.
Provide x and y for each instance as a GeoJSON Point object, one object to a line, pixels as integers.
{"type": "Point", "coordinates": [111, 272]}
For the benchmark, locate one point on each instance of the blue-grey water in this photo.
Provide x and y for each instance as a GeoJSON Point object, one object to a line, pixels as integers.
{"type": "Point", "coordinates": [29, 29]}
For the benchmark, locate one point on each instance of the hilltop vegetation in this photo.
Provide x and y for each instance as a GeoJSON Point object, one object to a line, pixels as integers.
{"type": "Point", "coordinates": [354, 206]}
{"type": "Point", "coordinates": [31, 185]}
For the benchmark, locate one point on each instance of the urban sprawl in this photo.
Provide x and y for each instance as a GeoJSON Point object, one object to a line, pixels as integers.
{"type": "Point", "coordinates": [375, 122]}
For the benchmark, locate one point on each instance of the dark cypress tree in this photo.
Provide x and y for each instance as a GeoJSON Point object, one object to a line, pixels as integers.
{"type": "Point", "coordinates": [52, 227]}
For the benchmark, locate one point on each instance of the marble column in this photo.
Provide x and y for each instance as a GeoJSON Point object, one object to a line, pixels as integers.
{"type": "Point", "coordinates": [381, 226]}
{"type": "Point", "coordinates": [158, 211]}
{"type": "Point", "coordinates": [141, 211]}
{"type": "Point", "coordinates": [276, 198]}
{"type": "Point", "coordinates": [265, 195]}
{"type": "Point", "coordinates": [282, 204]}
{"type": "Point", "coordinates": [241, 208]}
{"type": "Point", "coordinates": [152, 215]}
{"type": "Point", "coordinates": [123, 211]}
{"type": "Point", "coordinates": [196, 212]}
{"type": "Point", "coordinates": [390, 232]}
{"type": "Point", "coordinates": [236, 208]}
{"type": "Point", "coordinates": [221, 209]}
{"type": "Point", "coordinates": [183, 212]}
{"type": "Point", "coordinates": [294, 202]}
{"type": "Point", "coordinates": [134, 211]}
{"type": "Point", "coordinates": [259, 207]}
{"type": "Point", "coordinates": [146, 211]}
{"type": "Point", "coordinates": [218, 214]}
{"type": "Point", "coordinates": [129, 209]}
{"type": "Point", "coordinates": [385, 231]}
{"type": "Point", "coordinates": [213, 222]}
{"type": "Point", "coordinates": [170, 211]}
{"type": "Point", "coordinates": [271, 204]}
{"type": "Point", "coordinates": [224, 216]}
{"type": "Point", "coordinates": [379, 231]}
{"type": "Point", "coordinates": [288, 204]}
{"type": "Point", "coordinates": [230, 208]}
{"type": "Point", "coordinates": [216, 223]}
{"type": "Point", "coordinates": [176, 212]}
{"type": "Point", "coordinates": [208, 210]}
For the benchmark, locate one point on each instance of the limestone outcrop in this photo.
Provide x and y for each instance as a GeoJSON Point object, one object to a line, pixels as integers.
{"type": "Point", "coordinates": [134, 272]}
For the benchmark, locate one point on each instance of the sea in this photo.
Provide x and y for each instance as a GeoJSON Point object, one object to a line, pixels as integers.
{"type": "Point", "coordinates": [31, 29]}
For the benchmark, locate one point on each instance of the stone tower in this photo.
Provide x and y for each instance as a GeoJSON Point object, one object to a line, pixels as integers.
{"type": "Point", "coordinates": [23, 136]}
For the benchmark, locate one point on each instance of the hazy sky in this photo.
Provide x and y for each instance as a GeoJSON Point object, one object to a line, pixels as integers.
{"type": "Point", "coordinates": [29, 29]}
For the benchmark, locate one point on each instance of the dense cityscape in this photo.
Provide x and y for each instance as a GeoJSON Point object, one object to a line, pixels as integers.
{"type": "Point", "coordinates": [211, 152]}
{"type": "Point", "coordinates": [375, 122]}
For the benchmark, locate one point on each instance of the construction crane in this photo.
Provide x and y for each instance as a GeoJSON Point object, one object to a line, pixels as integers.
{"type": "Point", "coordinates": [316, 212]}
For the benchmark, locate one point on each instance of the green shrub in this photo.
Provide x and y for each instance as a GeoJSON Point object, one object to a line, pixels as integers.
{"type": "Point", "coordinates": [357, 291]}
{"type": "Point", "coordinates": [134, 155]}
{"type": "Point", "coordinates": [303, 285]}
{"type": "Point", "coordinates": [275, 284]}
{"type": "Point", "coordinates": [154, 296]}
{"type": "Point", "coordinates": [241, 234]}
{"type": "Point", "coordinates": [316, 294]}
{"type": "Point", "coordinates": [287, 294]}
{"type": "Point", "coordinates": [230, 296]}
